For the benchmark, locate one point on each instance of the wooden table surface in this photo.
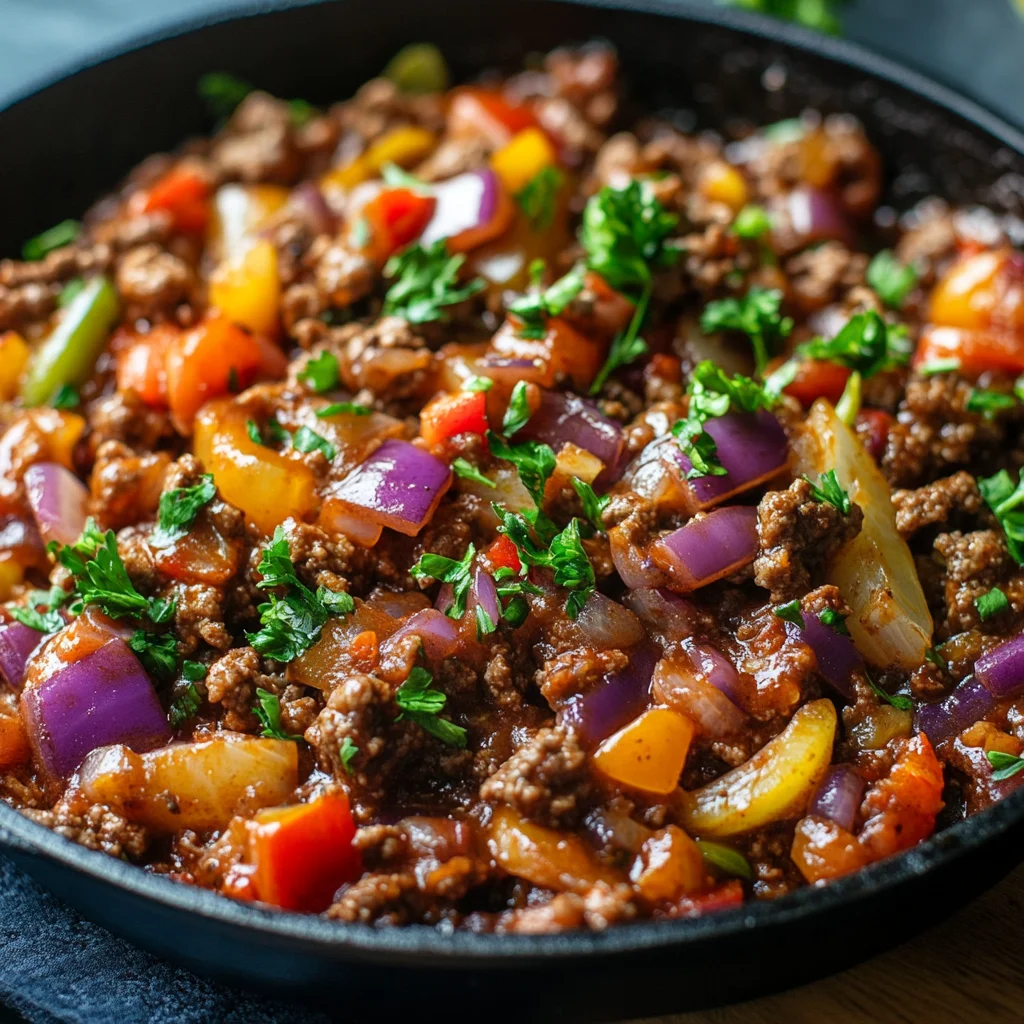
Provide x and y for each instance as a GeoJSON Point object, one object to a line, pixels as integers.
{"type": "Point", "coordinates": [967, 970]}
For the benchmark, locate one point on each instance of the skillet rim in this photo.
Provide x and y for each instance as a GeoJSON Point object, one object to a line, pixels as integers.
{"type": "Point", "coordinates": [423, 946]}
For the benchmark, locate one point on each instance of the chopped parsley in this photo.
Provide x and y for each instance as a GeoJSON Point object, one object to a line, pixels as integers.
{"type": "Point", "coordinates": [178, 510]}
{"type": "Point", "coordinates": [343, 409]}
{"type": "Point", "coordinates": [395, 177]}
{"type": "Point", "coordinates": [478, 384]}
{"type": "Point", "coordinates": [518, 413]}
{"type": "Point", "coordinates": [347, 752]}
{"type": "Point", "coordinates": [193, 671]}
{"type": "Point", "coordinates": [426, 281]}
{"type": "Point", "coordinates": [892, 280]}
{"type": "Point", "coordinates": [321, 373]}
{"type": "Point", "coordinates": [751, 222]}
{"type": "Point", "coordinates": [537, 197]}
{"type": "Point", "coordinates": [465, 470]}
{"type": "Point", "coordinates": [828, 489]}
{"type": "Point", "coordinates": [988, 403]}
{"type": "Point", "coordinates": [222, 92]}
{"type": "Point", "coordinates": [593, 505]}
{"type": "Point", "coordinates": [158, 652]}
{"type": "Point", "coordinates": [419, 702]}
{"type": "Point", "coordinates": [790, 612]}
{"type": "Point", "coordinates": [627, 346]}
{"type": "Point", "coordinates": [186, 706]}
{"type": "Point", "coordinates": [67, 397]}
{"type": "Point", "coordinates": [538, 305]}
{"type": "Point", "coordinates": [1005, 499]}
{"type": "Point", "coordinates": [291, 624]}
{"type": "Point", "coordinates": [459, 574]}
{"type": "Point", "coordinates": [49, 619]}
{"type": "Point", "coordinates": [991, 604]}
{"type": "Point", "coordinates": [725, 858]}
{"type": "Point", "coordinates": [252, 428]}
{"type": "Point", "coordinates": [268, 710]}
{"type": "Point", "coordinates": [484, 623]}
{"type": "Point", "coordinates": [950, 365]}
{"type": "Point", "coordinates": [898, 700]}
{"type": "Point", "coordinates": [64, 233]}
{"type": "Point", "coordinates": [534, 460]}
{"type": "Point", "coordinates": [1004, 766]}
{"type": "Point", "coordinates": [934, 657]}
{"type": "Point", "coordinates": [305, 440]}
{"type": "Point", "coordinates": [831, 618]}
{"type": "Point", "coordinates": [757, 315]}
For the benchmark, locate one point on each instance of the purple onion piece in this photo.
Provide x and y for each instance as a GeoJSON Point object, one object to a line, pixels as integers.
{"type": "Point", "coordinates": [564, 418]}
{"type": "Point", "coordinates": [445, 598]}
{"type": "Point", "coordinates": [816, 216]}
{"type": "Point", "coordinates": [465, 202]}
{"type": "Point", "coordinates": [398, 486]}
{"type": "Point", "coordinates": [838, 657]}
{"type": "Point", "coordinates": [309, 199]}
{"type": "Point", "coordinates": [838, 797]}
{"type": "Point", "coordinates": [439, 634]}
{"type": "Point", "coordinates": [751, 447]}
{"type": "Point", "coordinates": [1002, 668]}
{"type": "Point", "coordinates": [717, 669]}
{"type": "Point", "coordinates": [617, 699]}
{"type": "Point", "coordinates": [663, 612]}
{"type": "Point", "coordinates": [633, 563]}
{"type": "Point", "coordinates": [104, 698]}
{"type": "Point", "coordinates": [705, 550]}
{"type": "Point", "coordinates": [508, 372]}
{"type": "Point", "coordinates": [57, 499]}
{"type": "Point", "coordinates": [968, 703]}
{"type": "Point", "coordinates": [17, 644]}
{"type": "Point", "coordinates": [485, 594]}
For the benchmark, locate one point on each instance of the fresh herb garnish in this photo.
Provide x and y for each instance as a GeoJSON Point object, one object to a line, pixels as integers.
{"type": "Point", "coordinates": [395, 177]}
{"type": "Point", "coordinates": [817, 14]}
{"type": "Point", "coordinates": [158, 652]}
{"type": "Point", "coordinates": [484, 623]}
{"type": "Point", "coordinates": [991, 604]}
{"type": "Point", "coordinates": [458, 574]}
{"type": "Point", "coordinates": [892, 280]}
{"type": "Point", "coordinates": [751, 222]}
{"type": "Point", "coordinates": [49, 619]}
{"type": "Point", "coordinates": [421, 703]}
{"type": "Point", "coordinates": [64, 233]}
{"type": "Point", "coordinates": [627, 346]}
{"type": "Point", "coordinates": [537, 197]}
{"type": "Point", "coordinates": [478, 384]}
{"type": "Point", "coordinates": [67, 397]}
{"type": "Point", "coordinates": [465, 470]}
{"type": "Point", "coordinates": [518, 413]}
{"type": "Point", "coordinates": [933, 657]}
{"type": "Point", "coordinates": [757, 315]}
{"type": "Point", "coordinates": [291, 624]}
{"type": "Point", "coordinates": [1005, 766]}
{"type": "Point", "coordinates": [898, 700]}
{"type": "Point", "coordinates": [593, 505]}
{"type": "Point", "coordinates": [305, 440]}
{"type": "Point", "coordinates": [321, 373]}
{"type": "Point", "coordinates": [828, 489]}
{"type": "Point", "coordinates": [343, 408]}
{"type": "Point", "coordinates": [831, 618]}
{"type": "Point", "coordinates": [268, 710]}
{"type": "Point", "coordinates": [185, 706]}
{"type": "Point", "coordinates": [222, 92]}
{"type": "Point", "coordinates": [178, 510]}
{"type": "Point", "coordinates": [538, 305]}
{"type": "Point", "coordinates": [1005, 500]}
{"type": "Point", "coordinates": [790, 612]}
{"type": "Point", "coordinates": [534, 460]}
{"type": "Point", "coordinates": [725, 859]}
{"type": "Point", "coordinates": [348, 751]}
{"type": "Point", "coordinates": [988, 403]}
{"type": "Point", "coordinates": [426, 280]}
{"type": "Point", "coordinates": [252, 428]}
{"type": "Point", "coordinates": [950, 365]}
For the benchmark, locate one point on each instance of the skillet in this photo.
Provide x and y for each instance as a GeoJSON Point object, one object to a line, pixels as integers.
{"type": "Point", "coordinates": [69, 141]}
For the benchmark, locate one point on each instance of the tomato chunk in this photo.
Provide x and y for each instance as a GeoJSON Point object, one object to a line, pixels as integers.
{"type": "Point", "coordinates": [184, 194]}
{"type": "Point", "coordinates": [449, 415]}
{"type": "Point", "coordinates": [818, 379]}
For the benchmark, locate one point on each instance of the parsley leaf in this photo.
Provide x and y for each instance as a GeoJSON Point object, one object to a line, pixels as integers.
{"type": "Point", "coordinates": [64, 233]}
{"type": "Point", "coordinates": [537, 197]}
{"type": "Point", "coordinates": [478, 384]}
{"type": "Point", "coordinates": [426, 281]}
{"type": "Point", "coordinates": [306, 440]}
{"type": "Point", "coordinates": [1005, 500]}
{"type": "Point", "coordinates": [831, 618]}
{"type": "Point", "coordinates": [751, 222]}
{"type": "Point", "coordinates": [1005, 766]}
{"type": "Point", "coordinates": [67, 397]}
{"type": "Point", "coordinates": [343, 408]}
{"type": "Point", "coordinates": [193, 671]}
{"type": "Point", "coordinates": [518, 413]}
{"type": "Point", "coordinates": [950, 365]}
{"type": "Point", "coordinates": [484, 623]}
{"type": "Point", "coordinates": [348, 752]}
{"type": "Point", "coordinates": [988, 403]}
{"type": "Point", "coordinates": [223, 92]}
{"type": "Point", "coordinates": [828, 489]}
{"type": "Point", "coordinates": [178, 510]}
{"type": "Point", "coordinates": [991, 604]}
{"type": "Point", "coordinates": [627, 346]}
{"type": "Point", "coordinates": [593, 506]}
{"type": "Point", "coordinates": [467, 471]}
{"type": "Point", "coordinates": [898, 700]}
{"type": "Point", "coordinates": [158, 652]}
{"type": "Point", "coordinates": [268, 710]}
{"type": "Point", "coordinates": [422, 704]}
{"type": "Point", "coordinates": [252, 428]}
{"type": "Point", "coordinates": [625, 235]}
{"type": "Point", "coordinates": [321, 373]}
{"type": "Point", "coordinates": [534, 460]}
{"type": "Point", "coordinates": [725, 859]}
{"type": "Point", "coordinates": [790, 612]}
{"type": "Point", "coordinates": [49, 620]}
{"type": "Point", "coordinates": [185, 706]}
{"type": "Point", "coordinates": [699, 447]}
{"type": "Point", "coordinates": [934, 657]}
{"type": "Point", "coordinates": [892, 280]}
{"type": "Point", "coordinates": [459, 574]}
{"type": "Point", "coordinates": [537, 306]}
{"type": "Point", "coordinates": [757, 315]}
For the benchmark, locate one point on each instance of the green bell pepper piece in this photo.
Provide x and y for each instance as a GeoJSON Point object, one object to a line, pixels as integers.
{"type": "Point", "coordinates": [69, 353]}
{"type": "Point", "coordinates": [418, 68]}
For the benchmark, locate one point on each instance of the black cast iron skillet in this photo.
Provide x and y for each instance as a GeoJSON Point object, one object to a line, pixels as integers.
{"type": "Point", "coordinates": [67, 143]}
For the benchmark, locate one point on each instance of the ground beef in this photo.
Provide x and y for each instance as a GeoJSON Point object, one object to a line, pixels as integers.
{"type": "Point", "coordinates": [231, 681]}
{"type": "Point", "coordinates": [545, 780]}
{"type": "Point", "coordinates": [126, 418]}
{"type": "Point", "coordinates": [824, 274]}
{"type": "Point", "coordinates": [975, 563]}
{"type": "Point", "coordinates": [341, 274]}
{"type": "Point", "coordinates": [576, 670]}
{"type": "Point", "coordinates": [94, 826]}
{"type": "Point", "coordinates": [153, 282]}
{"type": "Point", "coordinates": [388, 359]}
{"type": "Point", "coordinates": [798, 536]}
{"type": "Point", "coordinates": [199, 616]}
{"type": "Point", "coordinates": [325, 560]}
{"type": "Point", "coordinates": [125, 487]}
{"type": "Point", "coordinates": [258, 143]}
{"type": "Point", "coordinates": [936, 503]}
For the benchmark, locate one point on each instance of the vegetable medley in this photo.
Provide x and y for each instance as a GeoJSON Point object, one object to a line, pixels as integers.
{"type": "Point", "coordinates": [476, 507]}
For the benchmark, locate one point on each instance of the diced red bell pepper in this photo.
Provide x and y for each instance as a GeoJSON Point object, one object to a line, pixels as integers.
{"type": "Point", "coordinates": [185, 195]}
{"type": "Point", "coordinates": [818, 379]}
{"type": "Point", "coordinates": [303, 854]}
{"type": "Point", "coordinates": [142, 362]}
{"type": "Point", "coordinates": [396, 217]}
{"type": "Point", "coordinates": [502, 554]}
{"type": "Point", "coordinates": [475, 111]}
{"type": "Point", "coordinates": [448, 415]}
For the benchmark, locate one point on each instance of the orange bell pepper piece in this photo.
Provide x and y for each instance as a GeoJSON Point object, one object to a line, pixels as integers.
{"type": "Point", "coordinates": [184, 194]}
{"type": "Point", "coordinates": [649, 753]}
{"type": "Point", "coordinates": [976, 352]}
{"type": "Point", "coordinates": [14, 353]}
{"type": "Point", "coordinates": [818, 379]}
{"type": "Point", "coordinates": [448, 415]}
{"type": "Point", "coordinates": [396, 217]}
{"type": "Point", "coordinates": [142, 362]}
{"type": "Point", "coordinates": [303, 854]}
{"type": "Point", "coordinates": [562, 350]}
{"type": "Point", "coordinates": [722, 183]}
{"type": "Point", "coordinates": [248, 291]}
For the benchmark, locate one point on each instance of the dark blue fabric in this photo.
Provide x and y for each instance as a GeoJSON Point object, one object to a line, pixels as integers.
{"type": "Point", "coordinates": [57, 967]}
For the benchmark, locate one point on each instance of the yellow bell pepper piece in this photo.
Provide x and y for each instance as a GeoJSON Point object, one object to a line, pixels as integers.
{"type": "Point", "coordinates": [14, 353]}
{"type": "Point", "coordinates": [775, 784]}
{"type": "Point", "coordinates": [518, 161]}
{"type": "Point", "coordinates": [722, 183]}
{"type": "Point", "coordinates": [240, 212]}
{"type": "Point", "coordinates": [248, 291]}
{"type": "Point", "coordinates": [403, 146]}
{"type": "Point", "coordinates": [649, 753]}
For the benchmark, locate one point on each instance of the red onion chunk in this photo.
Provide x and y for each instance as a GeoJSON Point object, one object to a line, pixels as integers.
{"type": "Point", "coordinates": [968, 703]}
{"type": "Point", "coordinates": [465, 202]}
{"type": "Point", "coordinates": [664, 613]}
{"type": "Point", "coordinates": [679, 684]}
{"type": "Point", "coordinates": [104, 698]}
{"type": "Point", "coordinates": [440, 635]}
{"type": "Point", "coordinates": [717, 669]}
{"type": "Point", "coordinates": [838, 797]}
{"type": "Point", "coordinates": [398, 486]}
{"type": "Point", "coordinates": [752, 448]}
{"type": "Point", "coordinates": [1002, 669]}
{"type": "Point", "coordinates": [617, 699]}
{"type": "Point", "coordinates": [838, 657]}
{"type": "Point", "coordinates": [705, 550]}
{"type": "Point", "coordinates": [445, 598]}
{"type": "Point", "coordinates": [509, 372]}
{"type": "Point", "coordinates": [816, 216]}
{"type": "Point", "coordinates": [564, 418]}
{"type": "Point", "coordinates": [57, 499]}
{"type": "Point", "coordinates": [634, 564]}
{"type": "Point", "coordinates": [17, 643]}
{"type": "Point", "coordinates": [308, 198]}
{"type": "Point", "coordinates": [485, 594]}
